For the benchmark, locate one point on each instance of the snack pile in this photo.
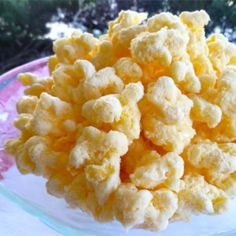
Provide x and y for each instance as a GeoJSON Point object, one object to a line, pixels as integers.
{"type": "Point", "coordinates": [138, 125]}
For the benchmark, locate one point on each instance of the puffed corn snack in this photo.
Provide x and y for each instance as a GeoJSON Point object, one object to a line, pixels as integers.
{"type": "Point", "coordinates": [138, 125]}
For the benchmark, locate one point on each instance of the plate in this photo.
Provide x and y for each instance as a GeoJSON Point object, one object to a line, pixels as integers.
{"type": "Point", "coordinates": [29, 193]}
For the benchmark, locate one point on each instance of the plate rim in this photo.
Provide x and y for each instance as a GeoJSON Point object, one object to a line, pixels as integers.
{"type": "Point", "coordinates": [27, 66]}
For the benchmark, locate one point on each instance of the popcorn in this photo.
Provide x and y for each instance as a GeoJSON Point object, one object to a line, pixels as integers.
{"type": "Point", "coordinates": [138, 125]}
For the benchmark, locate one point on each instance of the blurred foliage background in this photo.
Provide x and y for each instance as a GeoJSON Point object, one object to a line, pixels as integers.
{"type": "Point", "coordinates": [27, 27]}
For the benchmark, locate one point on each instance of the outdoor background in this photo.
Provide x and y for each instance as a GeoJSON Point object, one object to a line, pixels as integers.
{"type": "Point", "coordinates": [27, 27]}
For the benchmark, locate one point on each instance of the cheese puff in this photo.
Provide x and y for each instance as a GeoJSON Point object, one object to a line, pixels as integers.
{"type": "Point", "coordinates": [207, 82]}
{"type": "Point", "coordinates": [228, 184]}
{"type": "Point", "coordinates": [168, 20]}
{"type": "Point", "coordinates": [52, 63]}
{"type": "Point", "coordinates": [27, 78]}
{"type": "Point", "coordinates": [195, 19]}
{"type": "Point", "coordinates": [160, 47]}
{"type": "Point", "coordinates": [138, 155]}
{"type": "Point", "coordinates": [205, 72]}
{"type": "Point", "coordinates": [225, 96]}
{"type": "Point", "coordinates": [132, 93]}
{"type": "Point", "coordinates": [80, 193]}
{"type": "Point", "coordinates": [166, 115]}
{"type": "Point", "coordinates": [197, 196]}
{"type": "Point", "coordinates": [124, 20]}
{"type": "Point", "coordinates": [58, 182]}
{"type": "Point", "coordinates": [130, 204]}
{"type": "Point", "coordinates": [225, 131]}
{"type": "Point", "coordinates": [100, 153]}
{"type": "Point", "coordinates": [166, 171]}
{"type": "Point", "coordinates": [143, 208]}
{"type": "Point", "coordinates": [221, 51]}
{"type": "Point", "coordinates": [152, 72]}
{"type": "Point", "coordinates": [104, 178]}
{"type": "Point", "coordinates": [172, 106]}
{"type": "Point", "coordinates": [51, 115]}
{"type": "Point", "coordinates": [104, 55]}
{"type": "Point", "coordinates": [128, 70]}
{"type": "Point", "coordinates": [105, 109]}
{"type": "Point", "coordinates": [26, 104]}
{"type": "Point", "coordinates": [162, 207]}
{"type": "Point", "coordinates": [121, 39]}
{"type": "Point", "coordinates": [11, 146]}
{"type": "Point", "coordinates": [34, 155]}
{"type": "Point", "coordinates": [22, 122]}
{"type": "Point", "coordinates": [206, 112]}
{"type": "Point", "coordinates": [39, 87]}
{"type": "Point", "coordinates": [233, 61]}
{"type": "Point", "coordinates": [78, 46]}
{"type": "Point", "coordinates": [184, 76]}
{"type": "Point", "coordinates": [45, 159]}
{"type": "Point", "coordinates": [195, 22]}
{"type": "Point", "coordinates": [103, 82]}
{"type": "Point", "coordinates": [129, 122]}
{"type": "Point", "coordinates": [104, 37]}
{"type": "Point", "coordinates": [84, 69]}
{"type": "Point", "coordinates": [67, 79]}
{"type": "Point", "coordinates": [17, 148]}
{"type": "Point", "coordinates": [203, 66]}
{"type": "Point", "coordinates": [217, 161]}
{"type": "Point", "coordinates": [97, 144]}
{"type": "Point", "coordinates": [171, 137]}
{"type": "Point", "coordinates": [36, 85]}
